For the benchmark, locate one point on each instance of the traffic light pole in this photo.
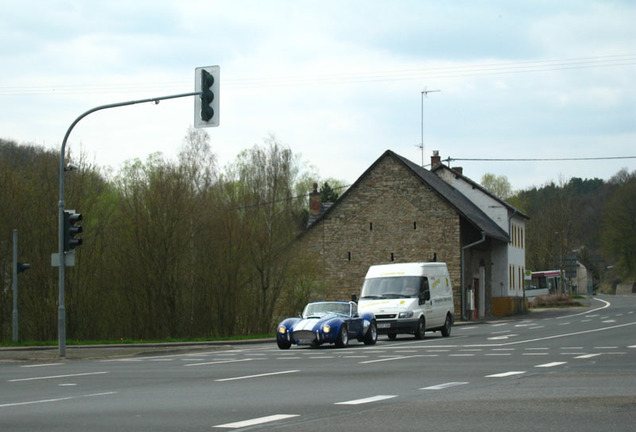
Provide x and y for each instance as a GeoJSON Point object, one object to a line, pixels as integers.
{"type": "Point", "coordinates": [61, 312]}
{"type": "Point", "coordinates": [15, 286]}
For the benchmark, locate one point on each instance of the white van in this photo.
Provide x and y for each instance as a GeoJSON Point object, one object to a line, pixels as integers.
{"type": "Point", "coordinates": [409, 298]}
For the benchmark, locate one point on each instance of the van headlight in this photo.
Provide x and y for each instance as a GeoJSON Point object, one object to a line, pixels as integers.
{"type": "Point", "coordinates": [326, 328]}
{"type": "Point", "coordinates": [407, 314]}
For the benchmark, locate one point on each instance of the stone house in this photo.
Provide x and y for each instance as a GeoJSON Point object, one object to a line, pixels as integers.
{"type": "Point", "coordinates": [398, 211]}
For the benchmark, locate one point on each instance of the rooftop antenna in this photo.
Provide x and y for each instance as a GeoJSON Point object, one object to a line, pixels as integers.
{"type": "Point", "coordinates": [425, 92]}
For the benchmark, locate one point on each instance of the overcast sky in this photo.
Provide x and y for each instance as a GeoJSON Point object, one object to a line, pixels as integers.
{"type": "Point", "coordinates": [339, 82]}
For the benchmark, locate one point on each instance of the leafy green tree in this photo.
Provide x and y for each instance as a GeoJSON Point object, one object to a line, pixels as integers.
{"type": "Point", "coordinates": [499, 186]}
{"type": "Point", "coordinates": [619, 226]}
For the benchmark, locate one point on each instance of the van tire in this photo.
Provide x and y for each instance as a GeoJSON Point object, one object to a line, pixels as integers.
{"type": "Point", "coordinates": [343, 337]}
{"type": "Point", "coordinates": [421, 328]}
{"type": "Point", "coordinates": [446, 330]}
{"type": "Point", "coordinates": [372, 334]}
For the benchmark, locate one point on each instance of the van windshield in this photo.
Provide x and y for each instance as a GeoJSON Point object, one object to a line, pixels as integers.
{"type": "Point", "coordinates": [391, 287]}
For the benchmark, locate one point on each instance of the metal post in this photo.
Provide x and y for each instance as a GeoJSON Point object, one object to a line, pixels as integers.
{"type": "Point", "coordinates": [424, 93]}
{"type": "Point", "coordinates": [15, 285]}
{"type": "Point", "coordinates": [61, 311]}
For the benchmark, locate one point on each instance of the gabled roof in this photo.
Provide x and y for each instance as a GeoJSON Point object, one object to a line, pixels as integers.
{"type": "Point", "coordinates": [476, 185]}
{"type": "Point", "coordinates": [457, 200]}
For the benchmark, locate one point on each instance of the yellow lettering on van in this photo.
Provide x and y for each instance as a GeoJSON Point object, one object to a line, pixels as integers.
{"type": "Point", "coordinates": [437, 282]}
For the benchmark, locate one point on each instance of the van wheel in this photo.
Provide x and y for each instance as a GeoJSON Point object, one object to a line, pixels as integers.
{"type": "Point", "coordinates": [343, 337]}
{"type": "Point", "coordinates": [446, 330]}
{"type": "Point", "coordinates": [421, 328]}
{"type": "Point", "coordinates": [372, 335]}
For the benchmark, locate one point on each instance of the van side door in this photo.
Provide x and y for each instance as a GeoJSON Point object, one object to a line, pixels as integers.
{"type": "Point", "coordinates": [425, 301]}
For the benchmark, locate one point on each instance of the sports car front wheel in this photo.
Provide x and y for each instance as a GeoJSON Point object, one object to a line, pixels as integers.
{"type": "Point", "coordinates": [283, 344]}
{"type": "Point", "coordinates": [343, 337]}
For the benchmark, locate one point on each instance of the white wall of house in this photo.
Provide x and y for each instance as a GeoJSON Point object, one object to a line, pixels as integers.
{"type": "Point", "coordinates": [493, 208]}
{"type": "Point", "coordinates": [508, 262]}
{"type": "Point", "coordinates": [516, 256]}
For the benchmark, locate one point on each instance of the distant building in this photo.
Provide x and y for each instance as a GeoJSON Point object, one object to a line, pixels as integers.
{"type": "Point", "coordinates": [398, 211]}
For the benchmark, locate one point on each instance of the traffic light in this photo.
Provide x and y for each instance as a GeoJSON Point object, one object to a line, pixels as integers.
{"type": "Point", "coordinates": [71, 229]}
{"type": "Point", "coordinates": [23, 267]}
{"type": "Point", "coordinates": [206, 106]}
{"type": "Point", "coordinates": [207, 95]}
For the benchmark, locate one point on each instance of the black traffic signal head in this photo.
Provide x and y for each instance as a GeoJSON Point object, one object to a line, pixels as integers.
{"type": "Point", "coordinates": [207, 95]}
{"type": "Point", "coordinates": [23, 267]}
{"type": "Point", "coordinates": [71, 230]}
{"type": "Point", "coordinates": [206, 105]}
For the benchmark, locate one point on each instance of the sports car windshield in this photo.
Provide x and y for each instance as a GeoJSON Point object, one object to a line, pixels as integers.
{"type": "Point", "coordinates": [323, 308]}
{"type": "Point", "coordinates": [391, 287]}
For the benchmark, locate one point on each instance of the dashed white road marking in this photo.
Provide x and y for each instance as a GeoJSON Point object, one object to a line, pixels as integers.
{"type": "Point", "coordinates": [587, 356]}
{"type": "Point", "coordinates": [444, 386]}
{"type": "Point", "coordinates": [256, 376]}
{"type": "Point", "coordinates": [392, 358]}
{"type": "Point", "coordinates": [505, 374]}
{"type": "Point", "coordinates": [366, 400]}
{"type": "Point", "coordinates": [217, 362]}
{"type": "Point", "coordinates": [549, 365]}
{"type": "Point", "coordinates": [256, 421]}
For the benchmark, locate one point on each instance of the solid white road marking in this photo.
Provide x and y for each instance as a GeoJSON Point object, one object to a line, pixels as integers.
{"type": "Point", "coordinates": [366, 400]}
{"type": "Point", "coordinates": [57, 376]}
{"type": "Point", "coordinates": [444, 386]}
{"type": "Point", "coordinates": [505, 374]}
{"type": "Point", "coordinates": [548, 365]}
{"type": "Point", "coordinates": [41, 365]}
{"type": "Point", "coordinates": [256, 421]}
{"type": "Point", "coordinates": [41, 401]}
{"type": "Point", "coordinates": [257, 376]}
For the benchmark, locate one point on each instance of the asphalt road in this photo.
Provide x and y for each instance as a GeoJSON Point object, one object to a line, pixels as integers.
{"type": "Point", "coordinates": [569, 370]}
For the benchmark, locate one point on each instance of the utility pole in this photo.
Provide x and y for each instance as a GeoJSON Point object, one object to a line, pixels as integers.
{"type": "Point", "coordinates": [425, 92]}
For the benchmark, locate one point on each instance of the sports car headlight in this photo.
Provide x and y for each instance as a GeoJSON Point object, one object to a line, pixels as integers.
{"type": "Point", "coordinates": [326, 328]}
{"type": "Point", "coordinates": [407, 314]}
{"type": "Point", "coordinates": [282, 329]}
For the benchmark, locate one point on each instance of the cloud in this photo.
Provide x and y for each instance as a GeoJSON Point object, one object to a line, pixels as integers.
{"type": "Point", "coordinates": [338, 82]}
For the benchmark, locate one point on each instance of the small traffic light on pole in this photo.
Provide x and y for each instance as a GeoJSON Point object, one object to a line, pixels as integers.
{"type": "Point", "coordinates": [206, 106]}
{"type": "Point", "coordinates": [22, 267]}
{"type": "Point", "coordinates": [71, 229]}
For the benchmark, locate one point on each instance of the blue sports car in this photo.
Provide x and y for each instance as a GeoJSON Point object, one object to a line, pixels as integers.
{"type": "Point", "coordinates": [333, 322]}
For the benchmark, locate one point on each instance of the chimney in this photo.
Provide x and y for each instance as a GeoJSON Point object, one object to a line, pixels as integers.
{"type": "Point", "coordinates": [435, 159]}
{"type": "Point", "coordinates": [459, 170]}
{"type": "Point", "coordinates": [315, 202]}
